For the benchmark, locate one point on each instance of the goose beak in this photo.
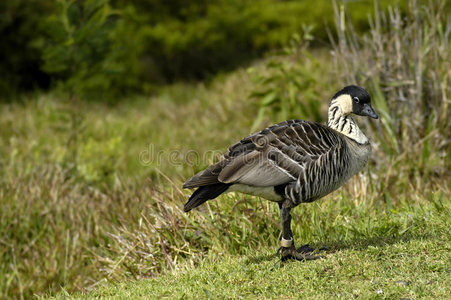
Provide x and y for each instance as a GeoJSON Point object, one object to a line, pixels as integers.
{"type": "Point", "coordinates": [369, 111]}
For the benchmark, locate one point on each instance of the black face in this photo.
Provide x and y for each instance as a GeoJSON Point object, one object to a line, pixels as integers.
{"type": "Point", "coordinates": [361, 101]}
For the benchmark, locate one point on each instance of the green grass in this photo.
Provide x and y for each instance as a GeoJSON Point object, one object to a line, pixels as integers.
{"type": "Point", "coordinates": [72, 175]}
{"type": "Point", "coordinates": [373, 254]}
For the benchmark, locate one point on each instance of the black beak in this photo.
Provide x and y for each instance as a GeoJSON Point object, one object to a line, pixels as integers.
{"type": "Point", "coordinates": [369, 111]}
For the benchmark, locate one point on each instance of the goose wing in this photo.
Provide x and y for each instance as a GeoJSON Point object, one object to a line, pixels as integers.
{"type": "Point", "coordinates": [278, 154]}
{"type": "Point", "coordinates": [273, 156]}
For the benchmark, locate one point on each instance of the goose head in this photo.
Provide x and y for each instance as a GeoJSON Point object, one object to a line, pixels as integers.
{"type": "Point", "coordinates": [354, 99]}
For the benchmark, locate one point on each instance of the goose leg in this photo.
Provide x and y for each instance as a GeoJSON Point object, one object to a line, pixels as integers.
{"type": "Point", "coordinates": [287, 248]}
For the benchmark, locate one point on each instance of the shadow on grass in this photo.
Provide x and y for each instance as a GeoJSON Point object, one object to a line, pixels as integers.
{"type": "Point", "coordinates": [359, 244]}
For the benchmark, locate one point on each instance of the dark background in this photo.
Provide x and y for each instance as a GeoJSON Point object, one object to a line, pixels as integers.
{"type": "Point", "coordinates": [103, 50]}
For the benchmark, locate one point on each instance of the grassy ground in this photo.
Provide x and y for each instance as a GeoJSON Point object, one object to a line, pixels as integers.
{"type": "Point", "coordinates": [374, 254]}
{"type": "Point", "coordinates": [91, 193]}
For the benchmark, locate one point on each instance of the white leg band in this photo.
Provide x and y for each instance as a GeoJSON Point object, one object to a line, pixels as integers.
{"type": "Point", "coordinates": [286, 243]}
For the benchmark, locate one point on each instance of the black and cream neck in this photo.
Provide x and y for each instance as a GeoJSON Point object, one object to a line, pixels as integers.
{"type": "Point", "coordinates": [339, 119]}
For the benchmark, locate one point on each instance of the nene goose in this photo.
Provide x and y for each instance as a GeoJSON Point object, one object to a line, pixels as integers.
{"type": "Point", "coordinates": [292, 162]}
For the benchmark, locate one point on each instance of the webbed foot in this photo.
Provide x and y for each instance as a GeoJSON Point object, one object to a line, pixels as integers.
{"type": "Point", "coordinates": [302, 253]}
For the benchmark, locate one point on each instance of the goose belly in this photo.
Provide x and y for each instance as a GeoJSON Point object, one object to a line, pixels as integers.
{"type": "Point", "coordinates": [315, 184]}
{"type": "Point", "coordinates": [266, 192]}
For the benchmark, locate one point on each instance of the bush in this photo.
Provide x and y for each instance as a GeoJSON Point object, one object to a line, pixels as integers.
{"type": "Point", "coordinates": [287, 89]}
{"type": "Point", "coordinates": [81, 54]}
{"type": "Point", "coordinates": [105, 49]}
{"type": "Point", "coordinates": [203, 38]}
{"type": "Point", "coordinates": [22, 37]}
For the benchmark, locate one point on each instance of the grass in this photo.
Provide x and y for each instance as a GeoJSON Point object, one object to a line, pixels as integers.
{"type": "Point", "coordinates": [72, 174]}
{"type": "Point", "coordinates": [373, 254]}
{"type": "Point", "coordinates": [91, 193]}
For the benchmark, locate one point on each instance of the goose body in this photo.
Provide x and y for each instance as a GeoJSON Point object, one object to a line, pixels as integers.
{"type": "Point", "coordinates": [300, 166]}
{"type": "Point", "coordinates": [293, 161]}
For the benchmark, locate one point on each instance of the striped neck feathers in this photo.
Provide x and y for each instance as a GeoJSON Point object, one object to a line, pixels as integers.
{"type": "Point", "coordinates": [340, 119]}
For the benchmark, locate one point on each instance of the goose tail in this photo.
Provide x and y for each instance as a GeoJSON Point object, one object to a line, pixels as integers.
{"type": "Point", "coordinates": [205, 193]}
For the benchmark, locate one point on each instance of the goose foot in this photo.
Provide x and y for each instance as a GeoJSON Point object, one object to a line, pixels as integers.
{"type": "Point", "coordinates": [302, 253]}
{"type": "Point", "coordinates": [287, 248]}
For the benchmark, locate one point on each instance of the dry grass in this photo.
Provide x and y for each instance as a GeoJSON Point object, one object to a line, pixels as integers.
{"type": "Point", "coordinates": [67, 183]}
{"type": "Point", "coordinates": [405, 62]}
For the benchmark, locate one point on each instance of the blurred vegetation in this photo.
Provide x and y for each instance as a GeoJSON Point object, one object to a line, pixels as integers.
{"type": "Point", "coordinates": [287, 89]}
{"type": "Point", "coordinates": [91, 192]}
{"type": "Point", "coordinates": [106, 49]}
{"type": "Point", "coordinates": [404, 61]}
{"type": "Point", "coordinates": [22, 34]}
{"type": "Point", "coordinates": [80, 51]}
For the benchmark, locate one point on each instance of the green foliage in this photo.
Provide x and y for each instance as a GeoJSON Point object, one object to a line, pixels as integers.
{"type": "Point", "coordinates": [286, 90]}
{"type": "Point", "coordinates": [201, 38]}
{"type": "Point", "coordinates": [105, 49]}
{"type": "Point", "coordinates": [81, 53]}
{"type": "Point", "coordinates": [22, 36]}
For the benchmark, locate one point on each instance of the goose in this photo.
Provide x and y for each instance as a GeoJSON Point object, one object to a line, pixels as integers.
{"type": "Point", "coordinates": [292, 162]}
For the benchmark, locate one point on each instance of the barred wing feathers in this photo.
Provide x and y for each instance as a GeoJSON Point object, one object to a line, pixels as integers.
{"type": "Point", "coordinates": [274, 156]}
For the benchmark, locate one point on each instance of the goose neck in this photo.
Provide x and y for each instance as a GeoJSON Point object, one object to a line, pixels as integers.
{"type": "Point", "coordinates": [345, 124]}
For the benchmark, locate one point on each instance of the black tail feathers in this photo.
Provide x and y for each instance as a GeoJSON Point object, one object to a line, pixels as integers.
{"type": "Point", "coordinates": [204, 193]}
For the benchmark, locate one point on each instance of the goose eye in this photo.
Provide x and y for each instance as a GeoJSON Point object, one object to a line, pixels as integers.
{"type": "Point", "coordinates": [356, 99]}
